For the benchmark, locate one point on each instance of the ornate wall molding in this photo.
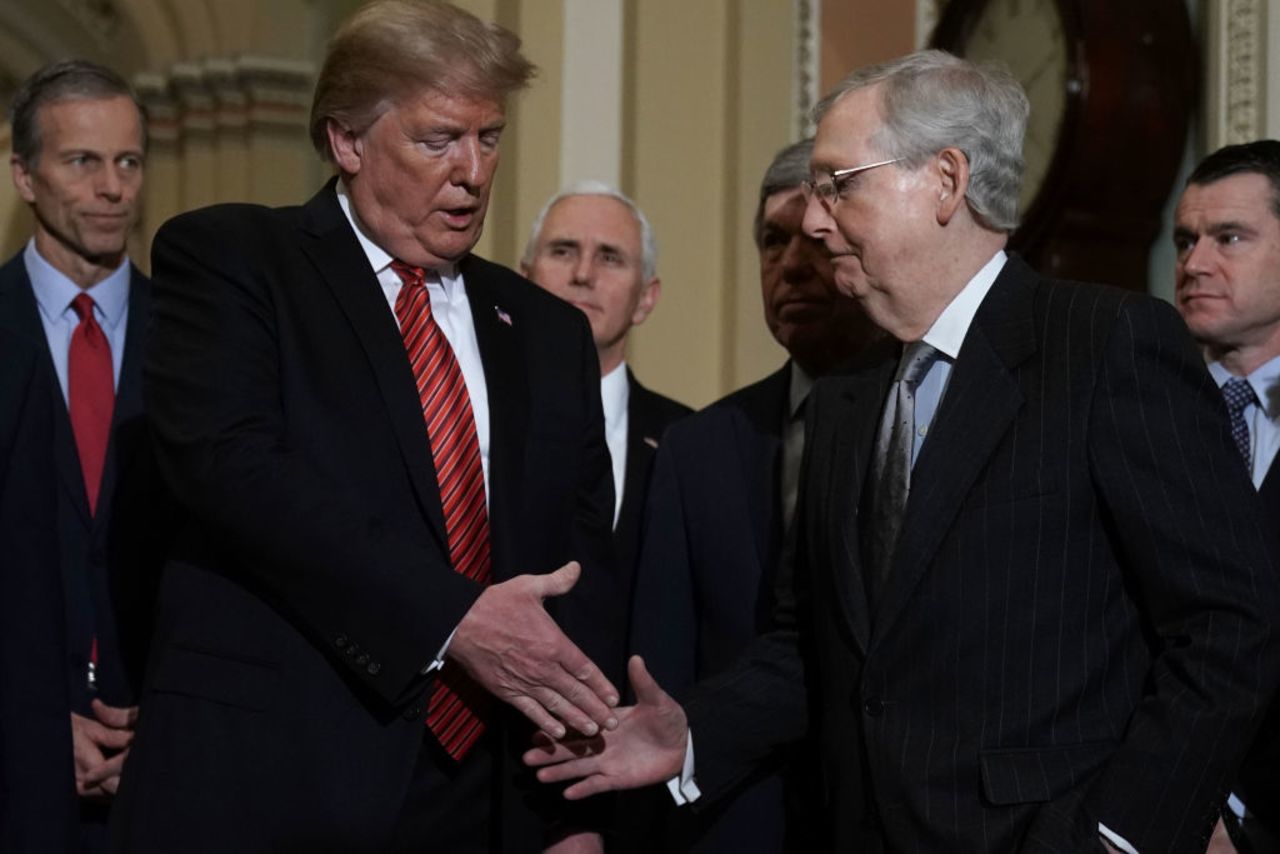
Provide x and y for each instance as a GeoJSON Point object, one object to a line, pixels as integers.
{"type": "Point", "coordinates": [1235, 91]}
{"type": "Point", "coordinates": [808, 51]}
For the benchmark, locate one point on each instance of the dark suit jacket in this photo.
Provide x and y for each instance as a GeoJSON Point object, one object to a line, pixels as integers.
{"type": "Point", "coordinates": [108, 560]}
{"type": "Point", "coordinates": [1259, 781]}
{"type": "Point", "coordinates": [37, 787]}
{"type": "Point", "coordinates": [283, 707]}
{"type": "Point", "coordinates": [648, 415]}
{"type": "Point", "coordinates": [1076, 628]}
{"type": "Point", "coordinates": [713, 536]}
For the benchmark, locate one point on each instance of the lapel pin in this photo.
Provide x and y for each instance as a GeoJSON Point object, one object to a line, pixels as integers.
{"type": "Point", "coordinates": [650, 441]}
{"type": "Point", "coordinates": [502, 315]}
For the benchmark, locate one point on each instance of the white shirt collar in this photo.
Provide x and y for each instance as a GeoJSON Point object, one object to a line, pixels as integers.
{"type": "Point", "coordinates": [614, 393]}
{"type": "Point", "coordinates": [798, 389]}
{"type": "Point", "coordinates": [379, 258]}
{"type": "Point", "coordinates": [948, 331]}
{"type": "Point", "coordinates": [54, 290]}
{"type": "Point", "coordinates": [1264, 379]}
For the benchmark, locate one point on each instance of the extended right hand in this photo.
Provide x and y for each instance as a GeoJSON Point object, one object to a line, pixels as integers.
{"type": "Point", "coordinates": [647, 747]}
{"type": "Point", "coordinates": [99, 748]}
{"type": "Point", "coordinates": [510, 645]}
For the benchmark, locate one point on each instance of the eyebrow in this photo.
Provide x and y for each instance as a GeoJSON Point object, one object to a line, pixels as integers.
{"type": "Point", "coordinates": [1215, 228]}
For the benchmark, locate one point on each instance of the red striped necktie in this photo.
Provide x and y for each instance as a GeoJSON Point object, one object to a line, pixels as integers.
{"type": "Point", "coordinates": [91, 396]}
{"type": "Point", "coordinates": [456, 704]}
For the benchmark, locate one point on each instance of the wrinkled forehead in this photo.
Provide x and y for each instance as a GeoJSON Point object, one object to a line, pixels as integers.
{"type": "Point", "coordinates": [600, 218]}
{"type": "Point", "coordinates": [846, 134]}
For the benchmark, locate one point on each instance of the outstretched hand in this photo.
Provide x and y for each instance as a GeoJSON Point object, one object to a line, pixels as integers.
{"type": "Point", "coordinates": [647, 747]}
{"type": "Point", "coordinates": [510, 645]}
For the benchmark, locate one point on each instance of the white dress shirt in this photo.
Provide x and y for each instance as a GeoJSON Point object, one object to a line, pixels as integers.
{"type": "Point", "coordinates": [54, 293]}
{"type": "Point", "coordinates": [615, 395]}
{"type": "Point", "coordinates": [452, 313]}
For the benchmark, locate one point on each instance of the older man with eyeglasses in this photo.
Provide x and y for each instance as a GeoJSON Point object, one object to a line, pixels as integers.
{"type": "Point", "coordinates": [1017, 620]}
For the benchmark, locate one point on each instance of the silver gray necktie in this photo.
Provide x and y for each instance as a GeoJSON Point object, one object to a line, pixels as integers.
{"type": "Point", "coordinates": [891, 470]}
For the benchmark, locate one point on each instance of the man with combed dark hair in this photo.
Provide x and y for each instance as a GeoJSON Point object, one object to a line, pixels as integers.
{"type": "Point", "coordinates": [79, 146]}
{"type": "Point", "coordinates": [1227, 236]}
{"type": "Point", "coordinates": [391, 451]}
{"type": "Point", "coordinates": [723, 493]}
{"type": "Point", "coordinates": [1014, 623]}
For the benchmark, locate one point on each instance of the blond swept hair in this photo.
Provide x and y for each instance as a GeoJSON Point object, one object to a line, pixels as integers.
{"type": "Point", "coordinates": [390, 49]}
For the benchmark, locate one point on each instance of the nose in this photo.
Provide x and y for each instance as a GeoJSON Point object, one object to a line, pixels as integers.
{"type": "Point", "coordinates": [817, 221]}
{"type": "Point", "coordinates": [110, 183]}
{"type": "Point", "coordinates": [797, 257]}
{"type": "Point", "coordinates": [1197, 258]}
{"type": "Point", "coordinates": [468, 164]}
{"type": "Point", "coordinates": [583, 269]}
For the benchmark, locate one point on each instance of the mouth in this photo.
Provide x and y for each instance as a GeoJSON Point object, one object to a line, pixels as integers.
{"type": "Point", "coordinates": [459, 217]}
{"type": "Point", "coordinates": [803, 309]}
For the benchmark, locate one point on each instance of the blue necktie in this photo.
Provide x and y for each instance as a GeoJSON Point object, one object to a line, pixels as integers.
{"type": "Point", "coordinates": [1239, 394]}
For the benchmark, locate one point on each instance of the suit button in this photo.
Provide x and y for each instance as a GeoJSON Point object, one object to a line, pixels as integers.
{"type": "Point", "coordinates": [374, 668]}
{"type": "Point", "coordinates": [873, 707]}
{"type": "Point", "coordinates": [340, 641]}
{"type": "Point", "coordinates": [362, 659]}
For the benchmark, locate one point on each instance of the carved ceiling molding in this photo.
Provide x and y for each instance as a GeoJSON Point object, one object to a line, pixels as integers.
{"type": "Point", "coordinates": [100, 19]}
{"type": "Point", "coordinates": [1236, 67]}
{"type": "Point", "coordinates": [808, 52]}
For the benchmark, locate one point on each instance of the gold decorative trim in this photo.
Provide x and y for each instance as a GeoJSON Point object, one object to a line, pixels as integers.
{"type": "Point", "coordinates": [1236, 71]}
{"type": "Point", "coordinates": [808, 52]}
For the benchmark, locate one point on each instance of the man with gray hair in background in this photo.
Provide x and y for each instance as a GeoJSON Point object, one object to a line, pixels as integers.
{"type": "Point", "coordinates": [594, 248]}
{"type": "Point", "coordinates": [1018, 617]}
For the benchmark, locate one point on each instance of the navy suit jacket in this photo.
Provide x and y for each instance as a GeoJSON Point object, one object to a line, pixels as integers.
{"type": "Point", "coordinates": [283, 703]}
{"type": "Point", "coordinates": [704, 587]}
{"type": "Point", "coordinates": [1077, 625]}
{"type": "Point", "coordinates": [648, 416]}
{"type": "Point", "coordinates": [109, 560]}
{"type": "Point", "coordinates": [37, 787]}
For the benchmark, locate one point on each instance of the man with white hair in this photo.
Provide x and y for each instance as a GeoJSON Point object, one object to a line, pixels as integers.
{"type": "Point", "coordinates": [1021, 617]}
{"type": "Point", "coordinates": [593, 247]}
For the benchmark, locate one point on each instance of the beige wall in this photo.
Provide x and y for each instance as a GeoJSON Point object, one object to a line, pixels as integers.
{"type": "Point", "coordinates": [685, 104]}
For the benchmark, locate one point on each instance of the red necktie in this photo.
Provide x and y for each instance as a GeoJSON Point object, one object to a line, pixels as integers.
{"type": "Point", "coordinates": [453, 712]}
{"type": "Point", "coordinates": [91, 395]}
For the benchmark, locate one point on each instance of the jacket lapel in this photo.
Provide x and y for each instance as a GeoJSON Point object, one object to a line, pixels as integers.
{"type": "Point", "coordinates": [980, 402]}
{"type": "Point", "coordinates": [18, 303]}
{"type": "Point", "coordinates": [127, 414]}
{"type": "Point", "coordinates": [328, 241]}
{"type": "Point", "coordinates": [854, 422]}
{"type": "Point", "coordinates": [499, 334]}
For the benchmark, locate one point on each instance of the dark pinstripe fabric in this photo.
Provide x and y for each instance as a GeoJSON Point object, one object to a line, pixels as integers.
{"type": "Point", "coordinates": [1075, 628]}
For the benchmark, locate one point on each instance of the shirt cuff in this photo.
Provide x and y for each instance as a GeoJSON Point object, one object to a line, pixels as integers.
{"type": "Point", "coordinates": [1115, 839]}
{"type": "Point", "coordinates": [438, 661]}
{"type": "Point", "coordinates": [682, 788]}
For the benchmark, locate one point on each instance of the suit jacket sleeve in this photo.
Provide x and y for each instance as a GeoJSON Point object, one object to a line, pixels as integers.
{"type": "Point", "coordinates": [1177, 502]}
{"type": "Point", "coordinates": [215, 396]}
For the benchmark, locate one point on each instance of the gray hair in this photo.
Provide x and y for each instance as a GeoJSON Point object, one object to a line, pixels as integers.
{"type": "Point", "coordinates": [648, 245]}
{"type": "Point", "coordinates": [68, 80]}
{"type": "Point", "coordinates": [789, 169]}
{"type": "Point", "coordinates": [933, 100]}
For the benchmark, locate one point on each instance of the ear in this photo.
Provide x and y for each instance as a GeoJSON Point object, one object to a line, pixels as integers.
{"type": "Point", "coordinates": [953, 183]}
{"type": "Point", "coordinates": [21, 178]}
{"type": "Point", "coordinates": [346, 145]}
{"type": "Point", "coordinates": [649, 293]}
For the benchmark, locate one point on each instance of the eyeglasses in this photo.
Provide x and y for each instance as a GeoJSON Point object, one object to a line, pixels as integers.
{"type": "Point", "coordinates": [829, 187]}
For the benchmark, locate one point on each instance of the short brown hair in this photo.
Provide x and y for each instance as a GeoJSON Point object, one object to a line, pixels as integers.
{"type": "Point", "coordinates": [390, 48]}
{"type": "Point", "coordinates": [68, 80]}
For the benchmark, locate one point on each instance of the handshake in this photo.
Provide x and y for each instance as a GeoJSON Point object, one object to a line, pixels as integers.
{"type": "Point", "coordinates": [510, 645]}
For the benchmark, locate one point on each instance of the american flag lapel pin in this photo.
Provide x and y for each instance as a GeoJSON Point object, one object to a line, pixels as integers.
{"type": "Point", "coordinates": [502, 315]}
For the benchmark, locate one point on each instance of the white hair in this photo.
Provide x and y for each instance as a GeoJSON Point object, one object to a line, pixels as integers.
{"type": "Point", "coordinates": [648, 245]}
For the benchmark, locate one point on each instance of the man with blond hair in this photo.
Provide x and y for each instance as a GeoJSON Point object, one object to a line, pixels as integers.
{"type": "Point", "coordinates": [392, 451]}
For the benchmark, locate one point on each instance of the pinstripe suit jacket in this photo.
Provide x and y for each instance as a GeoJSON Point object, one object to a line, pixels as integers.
{"type": "Point", "coordinates": [1076, 628]}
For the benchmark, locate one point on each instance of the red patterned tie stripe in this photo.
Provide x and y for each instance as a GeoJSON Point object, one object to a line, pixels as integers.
{"type": "Point", "coordinates": [91, 395]}
{"type": "Point", "coordinates": [454, 710]}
